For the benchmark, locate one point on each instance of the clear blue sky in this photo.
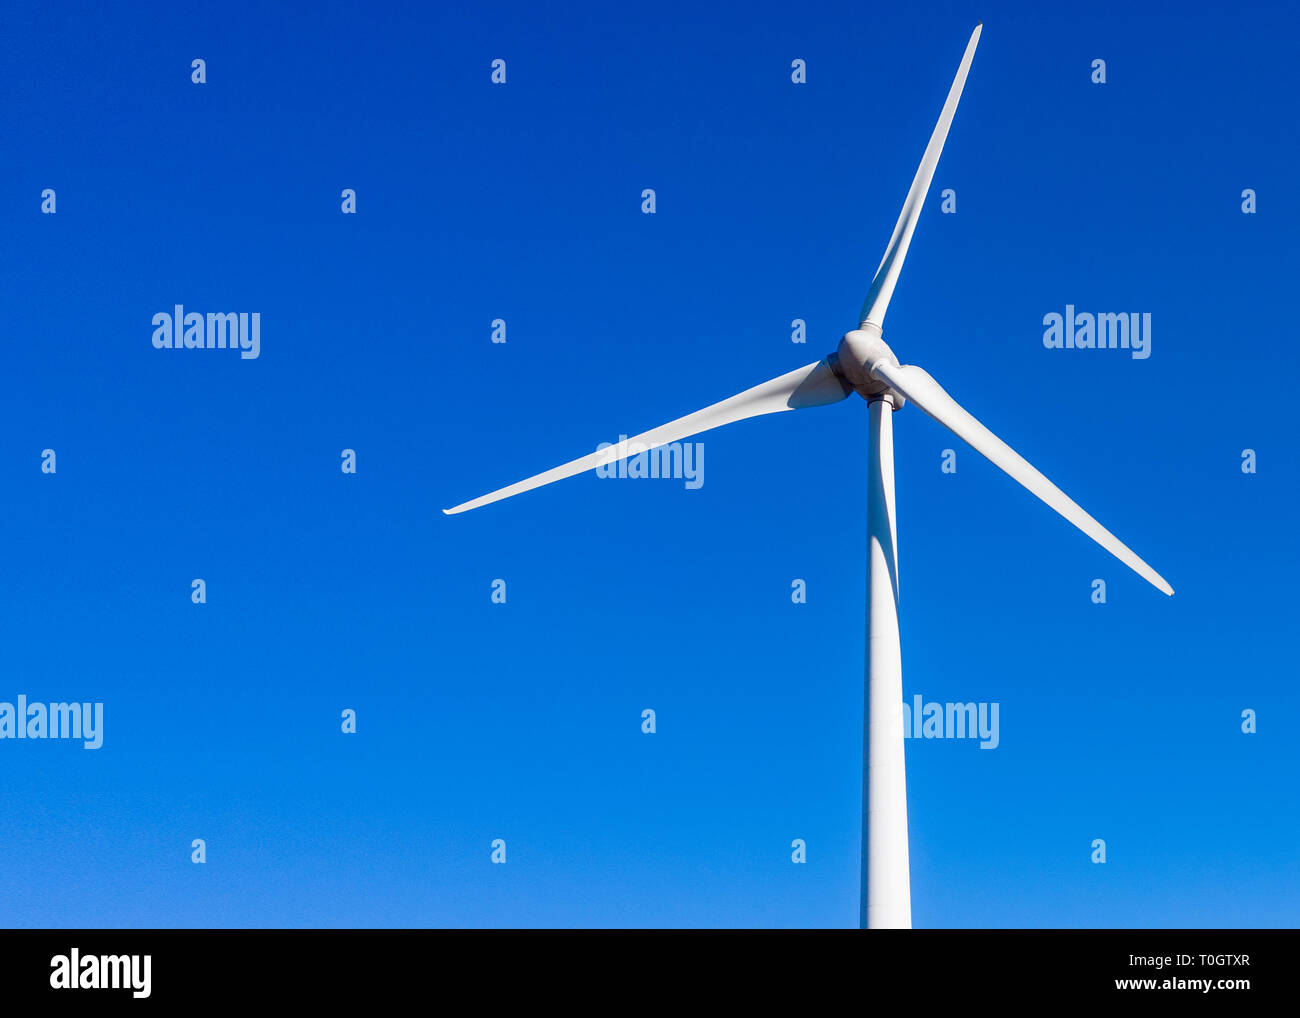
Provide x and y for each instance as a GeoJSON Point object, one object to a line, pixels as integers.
{"type": "Point", "coordinates": [522, 721]}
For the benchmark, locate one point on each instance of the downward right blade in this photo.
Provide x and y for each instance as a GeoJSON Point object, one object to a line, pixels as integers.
{"type": "Point", "coordinates": [915, 384]}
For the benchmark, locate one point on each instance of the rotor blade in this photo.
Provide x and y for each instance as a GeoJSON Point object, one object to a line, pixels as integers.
{"type": "Point", "coordinates": [882, 287]}
{"type": "Point", "coordinates": [809, 386]}
{"type": "Point", "coordinates": [915, 384]}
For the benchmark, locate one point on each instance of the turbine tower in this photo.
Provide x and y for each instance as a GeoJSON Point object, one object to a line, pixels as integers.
{"type": "Point", "coordinates": [864, 364]}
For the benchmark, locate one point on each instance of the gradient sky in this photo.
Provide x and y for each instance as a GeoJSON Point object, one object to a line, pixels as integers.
{"type": "Point", "coordinates": [522, 721]}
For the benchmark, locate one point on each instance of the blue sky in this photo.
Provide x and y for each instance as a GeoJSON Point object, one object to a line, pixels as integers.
{"type": "Point", "coordinates": [522, 721]}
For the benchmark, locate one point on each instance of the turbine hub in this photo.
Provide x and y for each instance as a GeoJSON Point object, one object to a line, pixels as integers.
{"type": "Point", "coordinates": [859, 351]}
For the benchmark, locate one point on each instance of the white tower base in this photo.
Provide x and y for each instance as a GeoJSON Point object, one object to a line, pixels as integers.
{"type": "Point", "coordinates": [886, 881]}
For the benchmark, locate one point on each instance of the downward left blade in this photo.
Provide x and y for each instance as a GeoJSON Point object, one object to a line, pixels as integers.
{"type": "Point", "coordinates": [812, 385]}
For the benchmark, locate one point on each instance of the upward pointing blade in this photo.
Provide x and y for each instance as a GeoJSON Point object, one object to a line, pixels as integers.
{"type": "Point", "coordinates": [882, 287]}
{"type": "Point", "coordinates": [915, 384]}
{"type": "Point", "coordinates": [809, 386]}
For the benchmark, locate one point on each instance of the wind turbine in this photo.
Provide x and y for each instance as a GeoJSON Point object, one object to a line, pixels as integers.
{"type": "Point", "coordinates": [864, 364]}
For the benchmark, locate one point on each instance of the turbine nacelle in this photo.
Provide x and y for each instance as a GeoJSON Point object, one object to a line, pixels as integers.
{"type": "Point", "coordinates": [857, 356]}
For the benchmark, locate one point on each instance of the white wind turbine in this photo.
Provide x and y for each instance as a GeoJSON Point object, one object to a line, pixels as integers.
{"type": "Point", "coordinates": [863, 363]}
